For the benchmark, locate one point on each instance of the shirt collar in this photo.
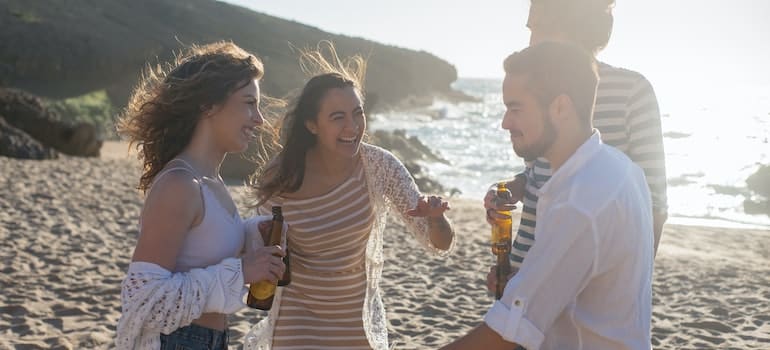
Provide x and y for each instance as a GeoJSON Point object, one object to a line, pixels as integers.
{"type": "Point", "coordinates": [573, 163]}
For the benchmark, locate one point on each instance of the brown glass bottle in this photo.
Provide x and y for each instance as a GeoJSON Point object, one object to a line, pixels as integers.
{"type": "Point", "coordinates": [501, 240]}
{"type": "Point", "coordinates": [261, 293]}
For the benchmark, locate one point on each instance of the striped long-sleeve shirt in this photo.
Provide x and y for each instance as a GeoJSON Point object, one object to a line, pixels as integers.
{"type": "Point", "coordinates": [628, 118]}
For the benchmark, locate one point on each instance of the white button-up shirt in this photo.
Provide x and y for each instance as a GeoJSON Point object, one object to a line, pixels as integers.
{"type": "Point", "coordinates": [587, 281]}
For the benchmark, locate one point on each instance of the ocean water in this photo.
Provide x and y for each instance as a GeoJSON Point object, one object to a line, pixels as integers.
{"type": "Point", "coordinates": [712, 144]}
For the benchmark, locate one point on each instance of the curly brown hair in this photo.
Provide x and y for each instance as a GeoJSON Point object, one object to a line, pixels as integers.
{"type": "Point", "coordinates": [166, 106]}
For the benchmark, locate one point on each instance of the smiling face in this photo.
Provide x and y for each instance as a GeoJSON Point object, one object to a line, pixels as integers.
{"type": "Point", "coordinates": [235, 123]}
{"type": "Point", "coordinates": [531, 130]}
{"type": "Point", "coordinates": [340, 123]}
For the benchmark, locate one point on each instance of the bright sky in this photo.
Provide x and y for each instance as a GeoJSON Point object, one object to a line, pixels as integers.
{"type": "Point", "coordinates": [690, 39]}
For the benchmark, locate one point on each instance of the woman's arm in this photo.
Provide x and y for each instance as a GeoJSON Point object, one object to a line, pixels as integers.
{"type": "Point", "coordinates": [173, 206]}
{"type": "Point", "coordinates": [423, 217]}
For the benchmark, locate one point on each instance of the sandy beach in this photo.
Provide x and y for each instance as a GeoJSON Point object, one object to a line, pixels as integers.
{"type": "Point", "coordinates": [68, 228]}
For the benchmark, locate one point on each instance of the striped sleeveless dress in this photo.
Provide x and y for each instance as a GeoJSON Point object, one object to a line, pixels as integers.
{"type": "Point", "coordinates": [322, 307]}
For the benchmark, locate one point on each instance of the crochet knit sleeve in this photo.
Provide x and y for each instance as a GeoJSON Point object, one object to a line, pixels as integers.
{"type": "Point", "coordinates": [400, 192]}
{"type": "Point", "coordinates": [155, 300]}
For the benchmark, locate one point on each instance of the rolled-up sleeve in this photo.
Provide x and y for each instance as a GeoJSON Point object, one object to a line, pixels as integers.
{"type": "Point", "coordinates": [510, 323]}
{"type": "Point", "coordinates": [558, 267]}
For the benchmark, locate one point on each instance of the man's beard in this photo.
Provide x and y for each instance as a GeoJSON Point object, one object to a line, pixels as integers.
{"type": "Point", "coordinates": [541, 146]}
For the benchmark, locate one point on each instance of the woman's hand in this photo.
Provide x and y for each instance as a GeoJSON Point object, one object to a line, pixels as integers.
{"type": "Point", "coordinates": [262, 264]}
{"type": "Point", "coordinates": [439, 229]}
{"type": "Point", "coordinates": [432, 207]}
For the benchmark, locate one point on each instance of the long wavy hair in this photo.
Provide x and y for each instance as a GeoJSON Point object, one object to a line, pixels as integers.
{"type": "Point", "coordinates": [170, 99]}
{"type": "Point", "coordinates": [285, 172]}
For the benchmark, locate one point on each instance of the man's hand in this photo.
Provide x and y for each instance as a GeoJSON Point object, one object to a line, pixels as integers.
{"type": "Point", "coordinates": [492, 278]}
{"type": "Point", "coordinates": [492, 205]}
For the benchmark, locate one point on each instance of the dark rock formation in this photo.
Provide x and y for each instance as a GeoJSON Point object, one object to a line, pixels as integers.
{"type": "Point", "coordinates": [759, 184]}
{"type": "Point", "coordinates": [410, 150]}
{"type": "Point", "coordinates": [27, 113]}
{"type": "Point", "coordinates": [405, 148]}
{"type": "Point", "coordinates": [15, 143]}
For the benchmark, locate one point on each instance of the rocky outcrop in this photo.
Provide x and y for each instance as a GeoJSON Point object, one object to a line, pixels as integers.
{"type": "Point", "coordinates": [410, 150]}
{"type": "Point", "coordinates": [405, 148]}
{"type": "Point", "coordinates": [759, 185]}
{"type": "Point", "coordinates": [15, 143]}
{"type": "Point", "coordinates": [27, 113]}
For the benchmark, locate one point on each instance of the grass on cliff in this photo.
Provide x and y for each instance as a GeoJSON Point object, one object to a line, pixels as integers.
{"type": "Point", "coordinates": [93, 108]}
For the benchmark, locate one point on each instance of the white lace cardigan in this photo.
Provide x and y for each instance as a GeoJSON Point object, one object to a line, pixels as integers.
{"type": "Point", "coordinates": [155, 300]}
{"type": "Point", "coordinates": [391, 188]}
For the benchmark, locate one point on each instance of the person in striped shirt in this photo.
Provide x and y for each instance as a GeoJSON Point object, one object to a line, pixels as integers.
{"type": "Point", "coordinates": [626, 114]}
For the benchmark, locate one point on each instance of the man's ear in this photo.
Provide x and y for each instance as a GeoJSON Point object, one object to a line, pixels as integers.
{"type": "Point", "coordinates": [561, 108]}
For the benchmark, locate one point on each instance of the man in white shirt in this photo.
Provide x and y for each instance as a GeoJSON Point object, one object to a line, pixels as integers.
{"type": "Point", "coordinates": [587, 281]}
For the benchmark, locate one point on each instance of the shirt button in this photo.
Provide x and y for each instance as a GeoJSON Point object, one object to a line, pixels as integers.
{"type": "Point", "coordinates": [517, 303]}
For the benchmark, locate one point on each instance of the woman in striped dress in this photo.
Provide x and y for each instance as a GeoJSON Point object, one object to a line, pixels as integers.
{"type": "Point", "coordinates": [336, 192]}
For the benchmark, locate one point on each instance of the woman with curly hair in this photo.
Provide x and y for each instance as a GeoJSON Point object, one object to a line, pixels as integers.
{"type": "Point", "coordinates": [187, 272]}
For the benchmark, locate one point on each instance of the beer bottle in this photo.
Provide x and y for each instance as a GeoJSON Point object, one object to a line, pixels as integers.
{"type": "Point", "coordinates": [261, 293]}
{"type": "Point", "coordinates": [501, 240]}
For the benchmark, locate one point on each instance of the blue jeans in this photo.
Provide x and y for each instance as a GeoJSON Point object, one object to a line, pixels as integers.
{"type": "Point", "coordinates": [194, 337]}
